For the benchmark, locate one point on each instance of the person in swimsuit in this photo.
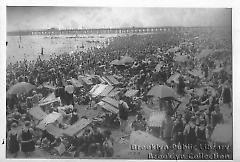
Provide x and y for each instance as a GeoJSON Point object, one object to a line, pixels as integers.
{"type": "Point", "coordinates": [26, 136]}
{"type": "Point", "coordinates": [13, 146]}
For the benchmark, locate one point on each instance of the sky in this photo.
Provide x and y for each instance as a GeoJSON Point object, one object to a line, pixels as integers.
{"type": "Point", "coordinates": [30, 18]}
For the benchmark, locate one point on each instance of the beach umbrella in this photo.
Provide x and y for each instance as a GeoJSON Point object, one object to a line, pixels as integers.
{"type": "Point", "coordinates": [21, 87]}
{"type": "Point", "coordinates": [126, 59]}
{"type": "Point", "coordinates": [174, 78]}
{"type": "Point", "coordinates": [69, 89]}
{"type": "Point", "coordinates": [162, 91]}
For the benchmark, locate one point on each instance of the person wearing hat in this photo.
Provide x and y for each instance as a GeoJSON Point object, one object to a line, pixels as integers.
{"type": "Point", "coordinates": [74, 117]}
{"type": "Point", "coordinates": [205, 97]}
{"type": "Point", "coordinates": [13, 144]}
{"type": "Point", "coordinates": [26, 137]}
{"type": "Point", "coordinates": [139, 123]}
{"type": "Point", "coordinates": [123, 113]}
{"type": "Point", "coordinates": [35, 98]}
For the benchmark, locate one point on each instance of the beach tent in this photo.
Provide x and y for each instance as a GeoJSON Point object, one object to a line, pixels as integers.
{"type": "Point", "coordinates": [47, 102]}
{"type": "Point", "coordinates": [37, 113]}
{"type": "Point", "coordinates": [108, 107]}
{"type": "Point", "coordinates": [50, 118]}
{"type": "Point", "coordinates": [111, 101]}
{"type": "Point", "coordinates": [106, 80]}
{"type": "Point", "coordinates": [107, 90]}
{"type": "Point", "coordinates": [93, 88]}
{"type": "Point", "coordinates": [77, 127]}
{"type": "Point", "coordinates": [95, 79]}
{"type": "Point", "coordinates": [114, 92]}
{"type": "Point", "coordinates": [48, 98]}
{"type": "Point", "coordinates": [131, 92]}
{"type": "Point", "coordinates": [100, 79]}
{"type": "Point", "coordinates": [53, 130]}
{"type": "Point", "coordinates": [112, 80]}
{"type": "Point", "coordinates": [97, 89]}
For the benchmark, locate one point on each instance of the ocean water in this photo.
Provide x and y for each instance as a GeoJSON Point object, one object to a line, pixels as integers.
{"type": "Point", "coordinates": [29, 47]}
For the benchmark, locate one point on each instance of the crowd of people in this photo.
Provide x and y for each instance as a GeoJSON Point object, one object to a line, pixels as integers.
{"type": "Point", "coordinates": [206, 92]}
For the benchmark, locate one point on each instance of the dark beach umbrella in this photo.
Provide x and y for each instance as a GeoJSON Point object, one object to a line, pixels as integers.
{"type": "Point", "coordinates": [21, 87]}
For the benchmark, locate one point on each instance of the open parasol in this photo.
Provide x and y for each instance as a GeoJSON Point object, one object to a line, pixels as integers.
{"type": "Point", "coordinates": [21, 87]}
{"type": "Point", "coordinates": [162, 91]}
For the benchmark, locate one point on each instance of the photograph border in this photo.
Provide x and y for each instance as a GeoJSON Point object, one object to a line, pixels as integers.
{"type": "Point", "coordinates": [126, 3]}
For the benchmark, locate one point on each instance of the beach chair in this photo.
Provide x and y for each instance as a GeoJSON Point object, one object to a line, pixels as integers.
{"type": "Point", "coordinates": [76, 128]}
